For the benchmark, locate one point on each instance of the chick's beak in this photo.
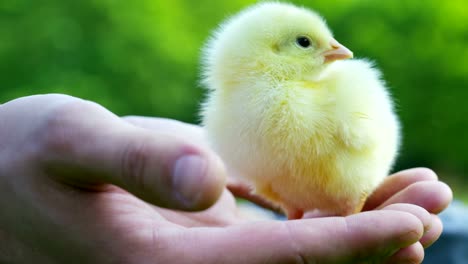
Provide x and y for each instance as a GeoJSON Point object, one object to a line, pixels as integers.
{"type": "Point", "coordinates": [337, 52]}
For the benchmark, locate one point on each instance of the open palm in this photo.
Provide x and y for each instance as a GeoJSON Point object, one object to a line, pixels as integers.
{"type": "Point", "coordinates": [80, 185]}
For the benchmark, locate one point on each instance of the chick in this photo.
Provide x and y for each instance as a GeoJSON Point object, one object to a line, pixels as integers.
{"type": "Point", "coordinates": [289, 115]}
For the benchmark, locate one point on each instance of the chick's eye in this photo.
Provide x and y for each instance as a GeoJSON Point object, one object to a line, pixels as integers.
{"type": "Point", "coordinates": [303, 41]}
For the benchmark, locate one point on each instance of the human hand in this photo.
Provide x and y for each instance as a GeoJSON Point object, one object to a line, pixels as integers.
{"type": "Point", "coordinates": [80, 185]}
{"type": "Point", "coordinates": [419, 186]}
{"type": "Point", "coordinates": [401, 191]}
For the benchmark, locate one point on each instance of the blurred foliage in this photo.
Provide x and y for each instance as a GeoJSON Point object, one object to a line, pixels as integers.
{"type": "Point", "coordinates": [142, 58]}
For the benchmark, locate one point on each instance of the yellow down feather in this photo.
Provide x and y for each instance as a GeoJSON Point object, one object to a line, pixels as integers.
{"type": "Point", "coordinates": [306, 128]}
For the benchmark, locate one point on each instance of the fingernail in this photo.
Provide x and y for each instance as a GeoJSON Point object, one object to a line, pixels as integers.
{"type": "Point", "coordinates": [188, 174]}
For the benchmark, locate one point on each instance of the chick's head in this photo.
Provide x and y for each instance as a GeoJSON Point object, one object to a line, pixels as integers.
{"type": "Point", "coordinates": [273, 40]}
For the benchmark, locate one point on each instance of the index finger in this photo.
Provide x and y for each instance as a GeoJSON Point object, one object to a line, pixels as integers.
{"type": "Point", "coordinates": [366, 236]}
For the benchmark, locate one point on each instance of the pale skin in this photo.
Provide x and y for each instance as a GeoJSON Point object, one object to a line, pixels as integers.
{"type": "Point", "coordinates": [81, 185]}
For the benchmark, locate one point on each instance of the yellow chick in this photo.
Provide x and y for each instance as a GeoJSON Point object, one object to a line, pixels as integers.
{"type": "Point", "coordinates": [306, 128]}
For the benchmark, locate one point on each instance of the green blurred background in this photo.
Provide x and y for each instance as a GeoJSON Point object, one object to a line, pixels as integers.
{"type": "Point", "coordinates": [142, 58]}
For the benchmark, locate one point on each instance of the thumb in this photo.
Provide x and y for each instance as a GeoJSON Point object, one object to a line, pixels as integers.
{"type": "Point", "coordinates": [87, 146]}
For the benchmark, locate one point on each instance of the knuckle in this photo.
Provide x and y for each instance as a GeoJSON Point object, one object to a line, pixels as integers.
{"type": "Point", "coordinates": [297, 255]}
{"type": "Point", "coordinates": [59, 133]}
{"type": "Point", "coordinates": [134, 161]}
